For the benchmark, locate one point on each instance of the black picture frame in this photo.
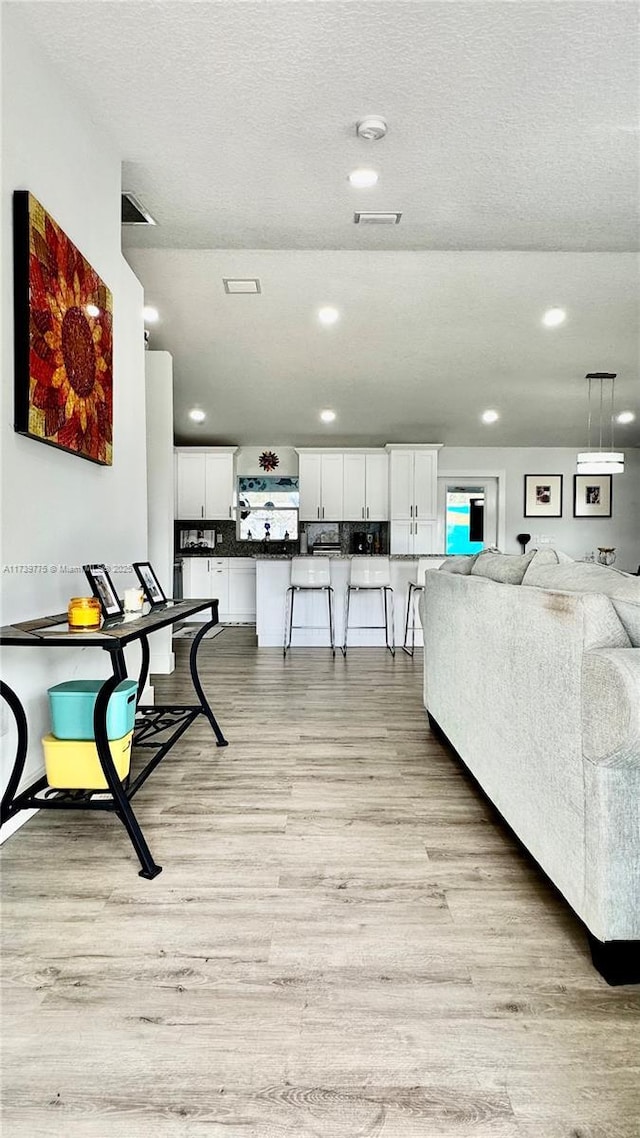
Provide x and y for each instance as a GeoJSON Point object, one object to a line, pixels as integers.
{"type": "Point", "coordinates": [539, 509]}
{"type": "Point", "coordinates": [152, 588]}
{"type": "Point", "coordinates": [603, 484]}
{"type": "Point", "coordinates": [103, 588]}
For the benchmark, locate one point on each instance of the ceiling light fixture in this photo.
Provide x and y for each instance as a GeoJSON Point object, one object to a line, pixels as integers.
{"type": "Point", "coordinates": [372, 128]}
{"type": "Point", "coordinates": [490, 416]}
{"type": "Point", "coordinates": [92, 310]}
{"type": "Point", "coordinates": [625, 417]}
{"type": "Point", "coordinates": [600, 461]}
{"type": "Point", "coordinates": [553, 317]}
{"type": "Point", "coordinates": [327, 416]}
{"type": "Point", "coordinates": [197, 415]}
{"type": "Point", "coordinates": [363, 179]}
{"type": "Point", "coordinates": [328, 315]}
{"type": "Point", "coordinates": [233, 285]}
{"type": "Point", "coordinates": [151, 314]}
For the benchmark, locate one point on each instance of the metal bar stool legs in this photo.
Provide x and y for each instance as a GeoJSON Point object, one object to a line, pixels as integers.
{"type": "Point", "coordinates": [410, 621]}
{"type": "Point", "coordinates": [289, 626]}
{"type": "Point", "coordinates": [389, 612]}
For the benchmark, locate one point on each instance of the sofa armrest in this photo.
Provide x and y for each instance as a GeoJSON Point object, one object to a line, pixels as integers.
{"type": "Point", "coordinates": [611, 706]}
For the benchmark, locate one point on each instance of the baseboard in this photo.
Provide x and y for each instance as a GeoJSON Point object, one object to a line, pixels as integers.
{"type": "Point", "coordinates": [15, 823]}
{"type": "Point", "coordinates": [617, 961]}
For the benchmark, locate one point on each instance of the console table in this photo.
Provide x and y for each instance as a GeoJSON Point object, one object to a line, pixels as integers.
{"type": "Point", "coordinates": [167, 722]}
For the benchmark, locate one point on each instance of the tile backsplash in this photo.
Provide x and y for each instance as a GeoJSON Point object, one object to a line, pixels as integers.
{"type": "Point", "coordinates": [220, 538]}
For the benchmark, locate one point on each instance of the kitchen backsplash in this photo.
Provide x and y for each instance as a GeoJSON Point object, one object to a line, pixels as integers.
{"type": "Point", "coordinates": [202, 541]}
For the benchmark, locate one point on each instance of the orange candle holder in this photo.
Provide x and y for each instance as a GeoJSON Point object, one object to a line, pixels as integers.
{"type": "Point", "coordinates": [84, 613]}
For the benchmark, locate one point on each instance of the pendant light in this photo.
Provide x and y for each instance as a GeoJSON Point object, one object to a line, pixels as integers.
{"type": "Point", "coordinates": [600, 461]}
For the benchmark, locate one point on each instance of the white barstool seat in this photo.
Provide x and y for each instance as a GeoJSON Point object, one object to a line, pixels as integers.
{"type": "Point", "coordinates": [415, 588]}
{"type": "Point", "coordinates": [310, 575]}
{"type": "Point", "coordinates": [366, 574]}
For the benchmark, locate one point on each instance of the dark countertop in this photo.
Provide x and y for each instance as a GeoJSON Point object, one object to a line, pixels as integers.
{"type": "Point", "coordinates": [331, 556]}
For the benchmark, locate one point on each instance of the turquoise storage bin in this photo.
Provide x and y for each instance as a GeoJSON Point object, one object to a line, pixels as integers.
{"type": "Point", "coordinates": [73, 702]}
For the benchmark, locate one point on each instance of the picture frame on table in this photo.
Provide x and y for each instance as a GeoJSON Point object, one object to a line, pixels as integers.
{"type": "Point", "coordinates": [103, 588]}
{"type": "Point", "coordinates": [153, 590]}
{"type": "Point", "coordinates": [592, 495]}
{"type": "Point", "coordinates": [543, 495]}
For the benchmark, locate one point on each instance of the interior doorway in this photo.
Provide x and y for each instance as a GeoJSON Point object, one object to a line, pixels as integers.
{"type": "Point", "coordinates": [468, 513]}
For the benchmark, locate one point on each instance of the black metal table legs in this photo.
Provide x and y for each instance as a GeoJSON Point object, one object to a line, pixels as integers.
{"type": "Point", "coordinates": [195, 679]}
{"type": "Point", "coordinates": [10, 697]}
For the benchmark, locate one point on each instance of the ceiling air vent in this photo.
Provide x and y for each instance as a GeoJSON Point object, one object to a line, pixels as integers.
{"type": "Point", "coordinates": [134, 213]}
{"type": "Point", "coordinates": [234, 285]}
{"type": "Point", "coordinates": [377, 218]}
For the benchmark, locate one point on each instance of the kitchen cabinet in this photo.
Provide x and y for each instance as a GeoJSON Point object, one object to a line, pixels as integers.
{"type": "Point", "coordinates": [366, 487]}
{"type": "Point", "coordinates": [321, 486]}
{"type": "Point", "coordinates": [231, 579]}
{"type": "Point", "coordinates": [413, 474]}
{"type": "Point", "coordinates": [204, 484]}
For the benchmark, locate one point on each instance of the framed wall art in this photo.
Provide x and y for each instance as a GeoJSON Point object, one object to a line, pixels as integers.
{"type": "Point", "coordinates": [543, 495]}
{"type": "Point", "coordinates": [63, 339]}
{"type": "Point", "coordinates": [592, 495]}
{"type": "Point", "coordinates": [150, 583]}
{"type": "Point", "coordinates": [103, 588]}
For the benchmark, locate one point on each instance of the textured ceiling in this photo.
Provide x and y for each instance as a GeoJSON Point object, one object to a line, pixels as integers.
{"type": "Point", "coordinates": [512, 153]}
{"type": "Point", "coordinates": [511, 125]}
{"type": "Point", "coordinates": [426, 342]}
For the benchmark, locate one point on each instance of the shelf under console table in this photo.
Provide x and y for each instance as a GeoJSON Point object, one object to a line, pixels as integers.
{"type": "Point", "coordinates": [157, 728]}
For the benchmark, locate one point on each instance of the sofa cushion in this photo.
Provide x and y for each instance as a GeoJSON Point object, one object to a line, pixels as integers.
{"type": "Point", "coordinates": [507, 568]}
{"type": "Point", "coordinates": [459, 564]}
{"type": "Point", "coordinates": [586, 577]}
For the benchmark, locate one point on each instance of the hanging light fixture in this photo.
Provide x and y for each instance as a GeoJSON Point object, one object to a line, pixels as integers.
{"type": "Point", "coordinates": [601, 461]}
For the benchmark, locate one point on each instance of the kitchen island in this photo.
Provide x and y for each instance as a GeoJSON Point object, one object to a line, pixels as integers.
{"type": "Point", "coordinates": [273, 575]}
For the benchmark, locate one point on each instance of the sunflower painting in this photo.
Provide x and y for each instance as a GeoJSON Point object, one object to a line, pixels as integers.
{"type": "Point", "coordinates": [63, 339]}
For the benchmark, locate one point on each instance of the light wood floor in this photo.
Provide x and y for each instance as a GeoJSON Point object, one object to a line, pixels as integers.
{"type": "Point", "coordinates": [344, 941]}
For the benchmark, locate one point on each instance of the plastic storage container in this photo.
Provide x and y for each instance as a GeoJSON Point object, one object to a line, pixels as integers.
{"type": "Point", "coordinates": [74, 764]}
{"type": "Point", "coordinates": [73, 702]}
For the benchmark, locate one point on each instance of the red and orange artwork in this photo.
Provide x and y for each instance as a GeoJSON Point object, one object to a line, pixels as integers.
{"type": "Point", "coordinates": [63, 340]}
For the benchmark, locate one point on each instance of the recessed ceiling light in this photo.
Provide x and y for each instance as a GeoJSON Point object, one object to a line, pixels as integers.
{"type": "Point", "coordinates": [327, 416]}
{"type": "Point", "coordinates": [197, 415]}
{"type": "Point", "coordinates": [241, 285]}
{"type": "Point", "coordinates": [151, 314]}
{"type": "Point", "coordinates": [372, 128]}
{"type": "Point", "coordinates": [553, 317]}
{"type": "Point", "coordinates": [328, 314]}
{"type": "Point", "coordinates": [626, 417]}
{"type": "Point", "coordinates": [363, 179]}
{"type": "Point", "coordinates": [92, 310]}
{"type": "Point", "coordinates": [490, 416]}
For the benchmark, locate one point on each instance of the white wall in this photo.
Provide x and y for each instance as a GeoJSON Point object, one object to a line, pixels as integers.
{"type": "Point", "coordinates": [247, 460]}
{"type": "Point", "coordinates": [58, 509]}
{"type": "Point", "coordinates": [576, 536]}
{"type": "Point", "coordinates": [160, 480]}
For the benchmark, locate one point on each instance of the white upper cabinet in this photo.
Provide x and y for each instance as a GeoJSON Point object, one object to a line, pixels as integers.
{"type": "Point", "coordinates": [355, 475]}
{"type": "Point", "coordinates": [401, 476]}
{"type": "Point", "coordinates": [218, 486]}
{"type": "Point", "coordinates": [204, 484]}
{"type": "Point", "coordinates": [414, 500]}
{"type": "Point", "coordinates": [425, 480]}
{"type": "Point", "coordinates": [377, 487]}
{"type": "Point", "coordinates": [321, 493]}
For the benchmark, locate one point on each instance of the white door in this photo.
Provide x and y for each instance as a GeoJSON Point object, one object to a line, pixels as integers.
{"type": "Point", "coordinates": [356, 472]}
{"type": "Point", "coordinates": [242, 589]}
{"type": "Point", "coordinates": [332, 494]}
{"type": "Point", "coordinates": [425, 537]}
{"type": "Point", "coordinates": [377, 501]}
{"type": "Point", "coordinates": [401, 480]}
{"type": "Point", "coordinates": [401, 537]}
{"type": "Point", "coordinates": [425, 477]}
{"type": "Point", "coordinates": [190, 496]}
{"type": "Point", "coordinates": [310, 475]}
{"type": "Point", "coordinates": [218, 486]}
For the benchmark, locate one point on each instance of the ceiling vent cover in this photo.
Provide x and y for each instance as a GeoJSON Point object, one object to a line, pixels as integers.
{"type": "Point", "coordinates": [233, 285]}
{"type": "Point", "coordinates": [134, 213]}
{"type": "Point", "coordinates": [377, 218]}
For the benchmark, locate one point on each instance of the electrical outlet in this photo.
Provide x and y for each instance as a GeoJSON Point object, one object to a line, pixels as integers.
{"type": "Point", "coordinates": [218, 538]}
{"type": "Point", "coordinates": [545, 539]}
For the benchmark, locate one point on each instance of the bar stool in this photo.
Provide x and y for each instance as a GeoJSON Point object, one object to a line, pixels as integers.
{"type": "Point", "coordinates": [308, 575]}
{"type": "Point", "coordinates": [368, 573]}
{"type": "Point", "coordinates": [415, 587]}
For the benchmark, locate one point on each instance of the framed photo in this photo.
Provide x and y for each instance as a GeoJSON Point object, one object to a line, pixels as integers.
{"type": "Point", "coordinates": [63, 339]}
{"type": "Point", "coordinates": [150, 583]}
{"type": "Point", "coordinates": [592, 495]}
{"type": "Point", "coordinates": [543, 495]}
{"type": "Point", "coordinates": [103, 588]}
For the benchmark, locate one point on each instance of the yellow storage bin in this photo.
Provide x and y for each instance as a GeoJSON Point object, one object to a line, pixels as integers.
{"type": "Point", "coordinates": [74, 764]}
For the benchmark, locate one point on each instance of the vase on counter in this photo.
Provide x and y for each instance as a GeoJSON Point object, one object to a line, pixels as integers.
{"type": "Point", "coordinates": [606, 555]}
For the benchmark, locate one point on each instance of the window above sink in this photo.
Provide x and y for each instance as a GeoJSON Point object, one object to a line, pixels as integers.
{"type": "Point", "coordinates": [268, 508]}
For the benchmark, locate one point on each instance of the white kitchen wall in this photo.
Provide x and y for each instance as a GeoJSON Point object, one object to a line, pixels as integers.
{"type": "Point", "coordinates": [576, 536]}
{"type": "Point", "coordinates": [247, 460]}
{"type": "Point", "coordinates": [58, 509]}
{"type": "Point", "coordinates": [160, 485]}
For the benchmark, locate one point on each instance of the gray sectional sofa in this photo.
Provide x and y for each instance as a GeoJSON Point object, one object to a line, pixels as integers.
{"type": "Point", "coordinates": [536, 685]}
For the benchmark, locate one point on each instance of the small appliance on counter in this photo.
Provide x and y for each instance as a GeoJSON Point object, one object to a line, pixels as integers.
{"type": "Point", "coordinates": [198, 540]}
{"type": "Point", "coordinates": [366, 542]}
{"type": "Point", "coordinates": [323, 539]}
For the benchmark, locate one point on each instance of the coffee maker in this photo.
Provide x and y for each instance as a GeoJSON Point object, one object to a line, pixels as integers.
{"type": "Point", "coordinates": [359, 542]}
